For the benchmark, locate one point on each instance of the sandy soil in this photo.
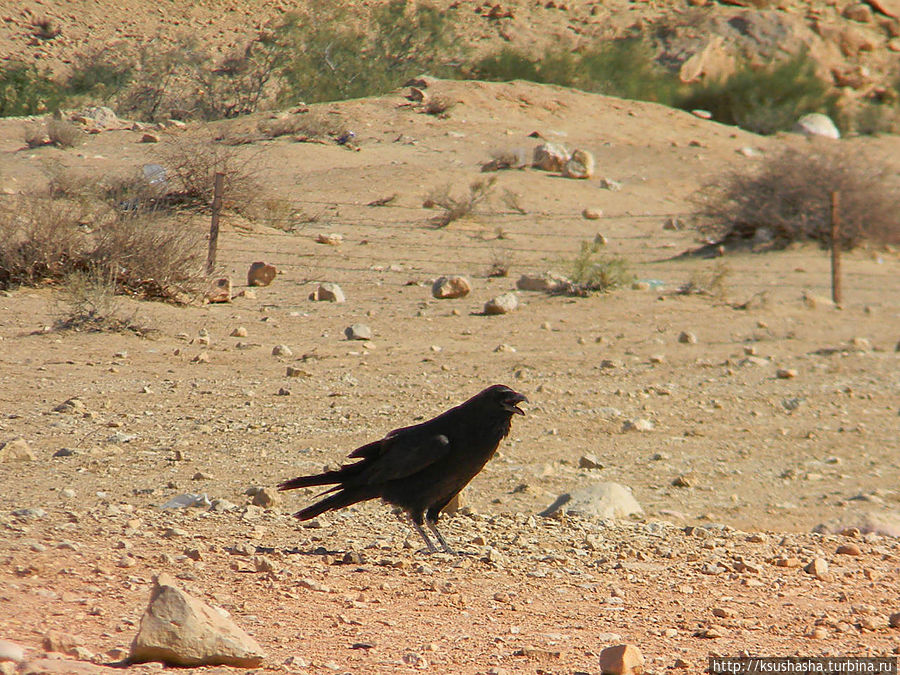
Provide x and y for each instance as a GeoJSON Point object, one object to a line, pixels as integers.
{"type": "Point", "coordinates": [759, 454]}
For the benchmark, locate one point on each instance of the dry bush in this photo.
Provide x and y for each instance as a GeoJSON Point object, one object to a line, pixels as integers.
{"type": "Point", "coordinates": [789, 199]}
{"type": "Point", "coordinates": [712, 282]}
{"type": "Point", "coordinates": [439, 106]}
{"type": "Point", "coordinates": [152, 257]}
{"type": "Point", "coordinates": [40, 239]}
{"type": "Point", "coordinates": [46, 240]}
{"type": "Point", "coordinates": [455, 208]}
{"type": "Point", "coordinates": [309, 126]}
{"type": "Point", "coordinates": [501, 261]}
{"type": "Point", "coordinates": [590, 272]}
{"type": "Point", "coordinates": [192, 164]}
{"type": "Point", "coordinates": [36, 135]}
{"type": "Point", "coordinates": [507, 159]}
{"type": "Point", "coordinates": [63, 133]}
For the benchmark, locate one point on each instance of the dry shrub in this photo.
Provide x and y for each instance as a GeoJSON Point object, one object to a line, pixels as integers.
{"type": "Point", "coordinates": [308, 126]}
{"type": "Point", "coordinates": [36, 135]}
{"type": "Point", "coordinates": [47, 240]}
{"type": "Point", "coordinates": [63, 133]}
{"type": "Point", "coordinates": [455, 208]}
{"type": "Point", "coordinates": [592, 272]}
{"type": "Point", "coordinates": [40, 239]}
{"type": "Point", "coordinates": [712, 282]}
{"type": "Point", "coordinates": [789, 199]}
{"type": "Point", "coordinates": [191, 166]}
{"type": "Point", "coordinates": [439, 106]}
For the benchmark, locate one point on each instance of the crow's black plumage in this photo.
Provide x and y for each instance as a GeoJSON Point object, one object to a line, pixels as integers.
{"type": "Point", "coordinates": [422, 467]}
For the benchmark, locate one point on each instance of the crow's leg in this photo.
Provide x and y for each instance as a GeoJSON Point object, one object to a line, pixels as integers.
{"type": "Point", "coordinates": [418, 528]}
{"type": "Point", "coordinates": [432, 525]}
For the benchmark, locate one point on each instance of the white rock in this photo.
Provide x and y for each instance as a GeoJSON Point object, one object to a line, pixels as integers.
{"type": "Point", "coordinates": [602, 500]}
{"type": "Point", "coordinates": [502, 304]}
{"type": "Point", "coordinates": [817, 124]}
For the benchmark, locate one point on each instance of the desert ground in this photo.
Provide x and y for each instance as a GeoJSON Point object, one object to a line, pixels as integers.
{"type": "Point", "coordinates": [744, 476]}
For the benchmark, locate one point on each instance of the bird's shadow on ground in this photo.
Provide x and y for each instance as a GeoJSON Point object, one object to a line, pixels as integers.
{"type": "Point", "coordinates": [321, 550]}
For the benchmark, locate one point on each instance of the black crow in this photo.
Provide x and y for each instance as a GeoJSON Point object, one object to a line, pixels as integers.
{"type": "Point", "coordinates": [422, 467]}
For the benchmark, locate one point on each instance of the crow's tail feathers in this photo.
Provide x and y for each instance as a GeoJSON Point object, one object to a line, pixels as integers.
{"type": "Point", "coordinates": [335, 501]}
{"type": "Point", "coordinates": [327, 478]}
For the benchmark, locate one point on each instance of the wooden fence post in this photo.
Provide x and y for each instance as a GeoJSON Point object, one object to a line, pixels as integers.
{"type": "Point", "coordinates": [837, 294]}
{"type": "Point", "coordinates": [214, 222]}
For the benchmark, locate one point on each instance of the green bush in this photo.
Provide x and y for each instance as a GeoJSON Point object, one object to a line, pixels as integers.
{"type": "Point", "coordinates": [764, 100]}
{"type": "Point", "coordinates": [100, 74]}
{"type": "Point", "coordinates": [623, 68]}
{"type": "Point", "coordinates": [593, 272]}
{"type": "Point", "coordinates": [331, 53]}
{"type": "Point", "coordinates": [25, 90]}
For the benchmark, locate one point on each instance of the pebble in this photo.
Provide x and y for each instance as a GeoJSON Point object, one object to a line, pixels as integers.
{"type": "Point", "coordinates": [848, 549]}
{"type": "Point", "coordinates": [10, 651]}
{"type": "Point", "coordinates": [786, 373]}
{"type": "Point", "coordinates": [240, 331]}
{"type": "Point", "coordinates": [358, 331]}
{"type": "Point", "coordinates": [818, 567]}
{"type": "Point", "coordinates": [622, 660]}
{"type": "Point", "coordinates": [589, 461]}
{"type": "Point", "coordinates": [639, 424]}
{"type": "Point", "coordinates": [687, 338]}
{"type": "Point", "coordinates": [313, 585]}
{"type": "Point", "coordinates": [282, 350]}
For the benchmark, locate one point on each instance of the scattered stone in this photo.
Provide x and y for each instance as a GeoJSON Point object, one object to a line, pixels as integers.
{"type": "Point", "coordinates": [861, 344]}
{"type": "Point", "coordinates": [580, 165]}
{"type": "Point", "coordinates": [358, 331]}
{"type": "Point", "coordinates": [293, 371]}
{"type": "Point", "coordinates": [455, 504]}
{"type": "Point", "coordinates": [592, 214]}
{"type": "Point", "coordinates": [790, 562]}
{"type": "Point", "coordinates": [265, 497]}
{"type": "Point", "coordinates": [220, 291]}
{"type": "Point", "coordinates": [817, 301]}
{"type": "Point", "coordinates": [330, 239]}
{"type": "Point", "coordinates": [817, 124]}
{"type": "Point", "coordinates": [63, 643]}
{"type": "Point", "coordinates": [894, 620]}
{"type": "Point", "coordinates": [687, 338]}
{"type": "Point", "coordinates": [848, 549]}
{"type": "Point", "coordinates": [550, 157]}
{"type": "Point", "coordinates": [149, 137]}
{"type": "Point", "coordinates": [589, 461]}
{"type": "Point", "coordinates": [449, 287]}
{"type": "Point", "coordinates": [202, 357]}
{"type": "Point", "coordinates": [282, 350]}
{"type": "Point", "coordinates": [328, 292]}
{"type": "Point", "coordinates": [98, 118]}
{"type": "Point", "coordinates": [180, 630]}
{"type": "Point", "coordinates": [313, 585]}
{"type": "Point", "coordinates": [611, 185]}
{"type": "Point", "coordinates": [240, 332]}
{"type": "Point", "coordinates": [639, 424]}
{"type": "Point", "coordinates": [786, 373]}
{"type": "Point", "coordinates": [682, 482]}
{"type": "Point", "coordinates": [818, 633]}
{"type": "Point", "coordinates": [502, 304]}
{"type": "Point", "coordinates": [16, 450]}
{"type": "Point", "coordinates": [188, 500]}
{"type": "Point", "coordinates": [261, 274]}
{"type": "Point", "coordinates": [818, 567]}
{"type": "Point", "coordinates": [10, 651]}
{"type": "Point", "coordinates": [889, 8]}
{"type": "Point", "coordinates": [601, 500]}
{"type": "Point", "coordinates": [622, 660]}
{"type": "Point", "coordinates": [547, 282]}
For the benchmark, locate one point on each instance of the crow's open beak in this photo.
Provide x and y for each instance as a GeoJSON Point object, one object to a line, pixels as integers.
{"type": "Point", "coordinates": [514, 399]}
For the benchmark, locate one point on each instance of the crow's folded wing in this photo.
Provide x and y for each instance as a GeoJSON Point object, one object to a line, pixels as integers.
{"type": "Point", "coordinates": [401, 454]}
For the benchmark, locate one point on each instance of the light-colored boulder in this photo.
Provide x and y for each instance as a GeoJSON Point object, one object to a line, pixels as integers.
{"type": "Point", "coordinates": [180, 630]}
{"type": "Point", "coordinates": [16, 450]}
{"type": "Point", "coordinates": [550, 157]}
{"type": "Point", "coordinates": [328, 292]}
{"type": "Point", "coordinates": [454, 286]}
{"type": "Point", "coordinates": [605, 500]}
{"type": "Point", "coordinates": [502, 304]}
{"type": "Point", "coordinates": [621, 660]}
{"type": "Point", "coordinates": [220, 290]}
{"type": "Point", "coordinates": [817, 124]}
{"type": "Point", "coordinates": [580, 165]}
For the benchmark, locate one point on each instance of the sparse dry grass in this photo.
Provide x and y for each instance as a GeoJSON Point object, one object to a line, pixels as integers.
{"type": "Point", "coordinates": [455, 208]}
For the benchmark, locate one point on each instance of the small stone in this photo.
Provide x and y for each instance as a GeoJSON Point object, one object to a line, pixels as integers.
{"type": "Point", "coordinates": [240, 332]}
{"type": "Point", "coordinates": [265, 497]}
{"type": "Point", "coordinates": [202, 357]}
{"type": "Point", "coordinates": [455, 504]}
{"type": "Point", "coordinates": [611, 185]}
{"type": "Point", "coordinates": [580, 165]}
{"type": "Point", "coordinates": [786, 373]}
{"type": "Point", "coordinates": [849, 549]}
{"type": "Point", "coordinates": [591, 214]}
{"type": "Point", "coordinates": [687, 338]}
{"type": "Point", "coordinates": [358, 331]}
{"type": "Point", "coordinates": [819, 633]}
{"type": "Point", "coordinates": [789, 562]}
{"type": "Point", "coordinates": [589, 461]}
{"type": "Point", "coordinates": [150, 138]}
{"type": "Point", "coordinates": [330, 239]}
{"type": "Point", "coordinates": [16, 450]}
{"type": "Point", "coordinates": [550, 157]}
{"type": "Point", "coordinates": [449, 287]}
{"type": "Point", "coordinates": [293, 371]}
{"type": "Point", "coordinates": [313, 585]}
{"type": "Point", "coordinates": [639, 424]}
{"type": "Point", "coordinates": [502, 304]}
{"type": "Point", "coordinates": [57, 641]}
{"type": "Point", "coordinates": [682, 482]}
{"type": "Point", "coordinates": [282, 350]}
{"type": "Point", "coordinates": [894, 620]}
{"type": "Point", "coordinates": [261, 274]}
{"type": "Point", "coordinates": [622, 660]}
{"type": "Point", "coordinates": [10, 651]}
{"type": "Point", "coordinates": [328, 292]}
{"type": "Point", "coordinates": [818, 567]}
{"type": "Point", "coordinates": [220, 291]}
